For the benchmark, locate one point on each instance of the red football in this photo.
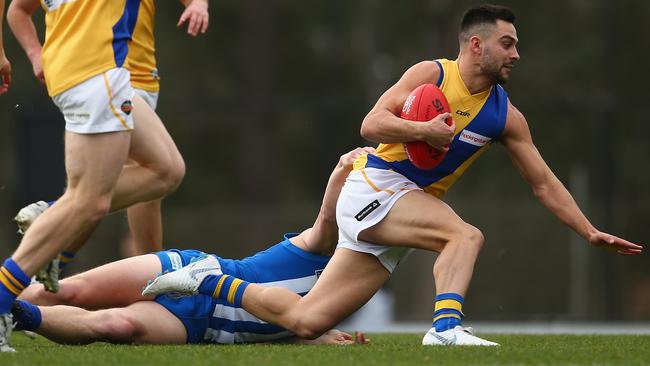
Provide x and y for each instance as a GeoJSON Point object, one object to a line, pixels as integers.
{"type": "Point", "coordinates": [424, 103]}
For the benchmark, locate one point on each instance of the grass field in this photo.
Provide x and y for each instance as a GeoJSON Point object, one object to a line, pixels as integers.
{"type": "Point", "coordinates": [385, 349]}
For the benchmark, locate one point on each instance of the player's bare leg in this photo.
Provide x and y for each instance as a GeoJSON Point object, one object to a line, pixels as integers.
{"type": "Point", "coordinates": [145, 225]}
{"type": "Point", "coordinates": [92, 174]}
{"type": "Point", "coordinates": [115, 284]}
{"type": "Point", "coordinates": [419, 220]}
{"type": "Point", "coordinates": [347, 283]}
{"type": "Point", "coordinates": [141, 322]}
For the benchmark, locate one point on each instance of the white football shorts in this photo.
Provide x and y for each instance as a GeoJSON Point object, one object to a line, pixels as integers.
{"type": "Point", "coordinates": [100, 104]}
{"type": "Point", "coordinates": [366, 198]}
{"type": "Point", "coordinates": [150, 97]}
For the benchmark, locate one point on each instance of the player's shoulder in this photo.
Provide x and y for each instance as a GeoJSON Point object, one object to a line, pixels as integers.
{"type": "Point", "coordinates": [426, 71]}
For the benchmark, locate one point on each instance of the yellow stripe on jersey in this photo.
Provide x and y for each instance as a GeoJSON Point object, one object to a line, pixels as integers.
{"type": "Point", "coordinates": [141, 60]}
{"type": "Point", "coordinates": [83, 38]}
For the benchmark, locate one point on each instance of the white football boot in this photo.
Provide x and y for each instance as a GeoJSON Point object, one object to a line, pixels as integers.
{"type": "Point", "coordinates": [28, 214]}
{"type": "Point", "coordinates": [185, 281]}
{"type": "Point", "coordinates": [6, 327]}
{"type": "Point", "coordinates": [48, 276]}
{"type": "Point", "coordinates": [457, 336]}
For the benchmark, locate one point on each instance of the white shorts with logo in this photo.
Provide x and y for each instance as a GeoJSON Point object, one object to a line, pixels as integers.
{"type": "Point", "coordinates": [150, 97]}
{"type": "Point", "coordinates": [366, 198]}
{"type": "Point", "coordinates": [100, 104]}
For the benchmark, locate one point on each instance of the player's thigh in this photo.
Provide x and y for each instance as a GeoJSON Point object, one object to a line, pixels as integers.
{"type": "Point", "coordinates": [155, 324]}
{"type": "Point", "coordinates": [416, 220]}
{"type": "Point", "coordinates": [94, 161]}
{"type": "Point", "coordinates": [115, 284]}
{"type": "Point", "coordinates": [347, 283]}
{"type": "Point", "coordinates": [151, 143]}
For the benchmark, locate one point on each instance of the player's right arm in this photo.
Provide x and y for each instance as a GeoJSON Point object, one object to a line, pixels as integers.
{"type": "Point", "coordinates": [383, 125]}
{"type": "Point", "coordinates": [5, 66]}
{"type": "Point", "coordinates": [19, 17]}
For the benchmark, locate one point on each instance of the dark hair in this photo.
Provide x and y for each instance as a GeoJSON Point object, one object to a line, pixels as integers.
{"type": "Point", "coordinates": [486, 14]}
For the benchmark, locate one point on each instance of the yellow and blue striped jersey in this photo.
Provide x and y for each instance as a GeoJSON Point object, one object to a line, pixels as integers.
{"type": "Point", "coordinates": [84, 38]}
{"type": "Point", "coordinates": [480, 119]}
{"type": "Point", "coordinates": [141, 60]}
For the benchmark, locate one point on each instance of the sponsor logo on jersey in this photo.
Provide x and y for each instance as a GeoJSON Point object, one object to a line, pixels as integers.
{"type": "Point", "coordinates": [462, 113]}
{"type": "Point", "coordinates": [367, 210]}
{"type": "Point", "coordinates": [474, 138]}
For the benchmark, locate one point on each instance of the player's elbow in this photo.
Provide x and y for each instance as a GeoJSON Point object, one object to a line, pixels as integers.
{"type": "Point", "coordinates": [310, 329]}
{"type": "Point", "coordinates": [369, 128]}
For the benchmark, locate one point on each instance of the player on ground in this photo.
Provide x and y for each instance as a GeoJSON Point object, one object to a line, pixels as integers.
{"type": "Point", "coordinates": [5, 66]}
{"type": "Point", "coordinates": [83, 57]}
{"type": "Point", "coordinates": [145, 219]}
{"type": "Point", "coordinates": [388, 206]}
{"type": "Point", "coordinates": [293, 264]}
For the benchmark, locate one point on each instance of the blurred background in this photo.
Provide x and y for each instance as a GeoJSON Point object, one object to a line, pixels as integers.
{"type": "Point", "coordinates": [263, 105]}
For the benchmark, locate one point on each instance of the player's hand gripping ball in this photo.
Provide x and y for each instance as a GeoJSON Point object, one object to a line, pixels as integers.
{"type": "Point", "coordinates": [423, 104]}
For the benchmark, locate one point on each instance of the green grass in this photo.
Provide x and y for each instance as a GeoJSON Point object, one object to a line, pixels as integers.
{"type": "Point", "coordinates": [385, 349]}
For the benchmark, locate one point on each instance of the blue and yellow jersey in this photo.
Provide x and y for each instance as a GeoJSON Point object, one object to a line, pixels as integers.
{"type": "Point", "coordinates": [84, 38]}
{"type": "Point", "coordinates": [141, 60]}
{"type": "Point", "coordinates": [480, 120]}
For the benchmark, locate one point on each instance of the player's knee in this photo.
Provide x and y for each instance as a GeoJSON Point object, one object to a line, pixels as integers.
{"type": "Point", "coordinates": [112, 326]}
{"type": "Point", "coordinates": [171, 174]}
{"type": "Point", "coordinates": [473, 236]}
{"type": "Point", "coordinates": [92, 209]}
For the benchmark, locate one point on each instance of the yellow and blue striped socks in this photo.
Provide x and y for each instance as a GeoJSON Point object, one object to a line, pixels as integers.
{"type": "Point", "coordinates": [448, 311]}
{"type": "Point", "coordinates": [65, 258]}
{"type": "Point", "coordinates": [12, 282]}
{"type": "Point", "coordinates": [224, 287]}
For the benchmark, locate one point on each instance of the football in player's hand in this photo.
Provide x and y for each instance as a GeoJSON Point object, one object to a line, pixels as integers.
{"type": "Point", "coordinates": [423, 104]}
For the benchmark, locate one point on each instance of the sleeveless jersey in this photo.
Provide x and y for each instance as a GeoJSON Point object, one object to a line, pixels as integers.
{"type": "Point", "coordinates": [83, 38]}
{"type": "Point", "coordinates": [141, 60]}
{"type": "Point", "coordinates": [480, 120]}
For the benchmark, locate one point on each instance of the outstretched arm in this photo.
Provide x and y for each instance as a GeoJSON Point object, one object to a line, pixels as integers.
{"type": "Point", "coordinates": [549, 190]}
{"type": "Point", "coordinates": [197, 15]}
{"type": "Point", "coordinates": [19, 17]}
{"type": "Point", "coordinates": [5, 66]}
{"type": "Point", "coordinates": [322, 237]}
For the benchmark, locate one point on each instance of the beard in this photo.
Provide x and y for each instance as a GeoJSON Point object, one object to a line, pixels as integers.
{"type": "Point", "coordinates": [493, 69]}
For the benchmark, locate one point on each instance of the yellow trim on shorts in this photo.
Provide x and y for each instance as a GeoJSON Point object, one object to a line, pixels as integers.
{"type": "Point", "coordinates": [110, 103]}
{"type": "Point", "coordinates": [371, 184]}
{"type": "Point", "coordinates": [233, 290]}
{"type": "Point", "coordinates": [217, 290]}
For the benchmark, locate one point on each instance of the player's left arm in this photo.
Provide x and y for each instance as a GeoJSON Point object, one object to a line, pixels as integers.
{"type": "Point", "coordinates": [322, 237]}
{"type": "Point", "coordinates": [332, 336]}
{"type": "Point", "coordinates": [549, 190]}
{"type": "Point", "coordinates": [5, 66]}
{"type": "Point", "coordinates": [196, 16]}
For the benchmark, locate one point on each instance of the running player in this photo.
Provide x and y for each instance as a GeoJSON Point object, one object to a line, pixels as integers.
{"type": "Point", "coordinates": [83, 57]}
{"type": "Point", "coordinates": [293, 264]}
{"type": "Point", "coordinates": [388, 206]}
{"type": "Point", "coordinates": [145, 219]}
{"type": "Point", "coordinates": [5, 66]}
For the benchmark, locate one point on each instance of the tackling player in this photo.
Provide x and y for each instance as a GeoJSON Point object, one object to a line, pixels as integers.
{"type": "Point", "coordinates": [145, 220]}
{"type": "Point", "coordinates": [388, 206]}
{"type": "Point", "coordinates": [128, 317]}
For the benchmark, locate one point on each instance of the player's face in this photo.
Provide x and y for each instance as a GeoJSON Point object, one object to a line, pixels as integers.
{"type": "Point", "coordinates": [500, 52]}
